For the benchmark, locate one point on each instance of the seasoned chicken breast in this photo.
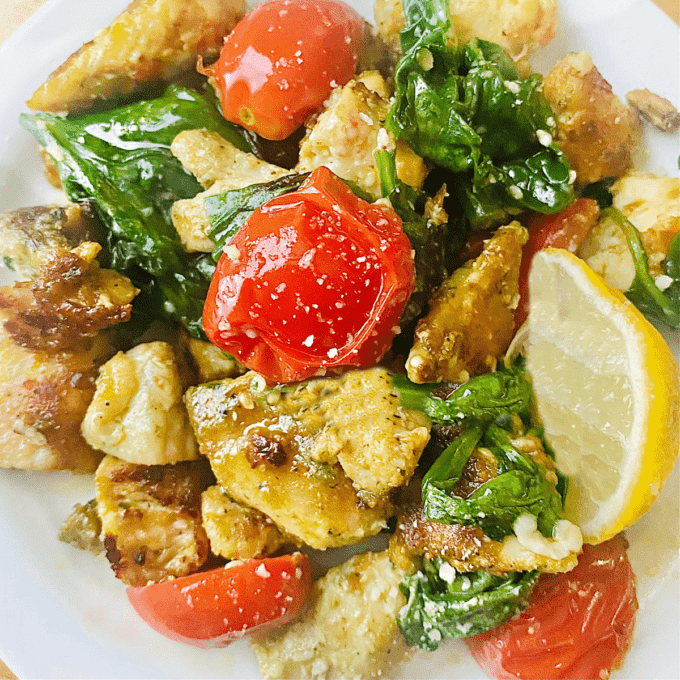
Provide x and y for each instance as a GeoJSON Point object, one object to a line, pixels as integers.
{"type": "Point", "coordinates": [150, 40]}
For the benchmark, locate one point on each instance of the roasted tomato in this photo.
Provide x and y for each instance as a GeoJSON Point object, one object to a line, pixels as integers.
{"type": "Point", "coordinates": [214, 608]}
{"type": "Point", "coordinates": [283, 60]}
{"type": "Point", "coordinates": [565, 229]}
{"type": "Point", "coordinates": [578, 625]}
{"type": "Point", "coordinates": [314, 280]}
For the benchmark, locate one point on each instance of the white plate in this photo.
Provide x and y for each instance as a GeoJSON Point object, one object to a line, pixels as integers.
{"type": "Point", "coordinates": [62, 613]}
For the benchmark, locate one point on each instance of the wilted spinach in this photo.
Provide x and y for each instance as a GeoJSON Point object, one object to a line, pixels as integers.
{"type": "Point", "coordinates": [467, 110]}
{"type": "Point", "coordinates": [459, 605]}
{"type": "Point", "coordinates": [121, 161]}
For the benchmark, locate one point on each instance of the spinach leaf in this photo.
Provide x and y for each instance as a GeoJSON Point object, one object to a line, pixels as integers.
{"type": "Point", "coordinates": [657, 304]}
{"type": "Point", "coordinates": [429, 240]}
{"type": "Point", "coordinates": [229, 211]}
{"type": "Point", "coordinates": [520, 488]}
{"type": "Point", "coordinates": [468, 111]}
{"type": "Point", "coordinates": [121, 160]}
{"type": "Point", "coordinates": [459, 605]}
{"type": "Point", "coordinates": [600, 191]}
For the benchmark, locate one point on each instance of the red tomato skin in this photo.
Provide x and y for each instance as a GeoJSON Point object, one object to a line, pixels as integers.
{"type": "Point", "coordinates": [214, 608]}
{"type": "Point", "coordinates": [282, 61]}
{"type": "Point", "coordinates": [320, 281]}
{"type": "Point", "coordinates": [578, 625]}
{"type": "Point", "coordinates": [566, 229]}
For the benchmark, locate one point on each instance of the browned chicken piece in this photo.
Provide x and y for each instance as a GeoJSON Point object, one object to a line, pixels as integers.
{"type": "Point", "coordinates": [26, 233]}
{"type": "Point", "coordinates": [467, 548]}
{"type": "Point", "coordinates": [43, 398]}
{"type": "Point", "coordinates": [657, 110]}
{"type": "Point", "coordinates": [70, 300]}
{"type": "Point", "coordinates": [470, 322]}
{"type": "Point", "coordinates": [597, 132]}
{"type": "Point", "coordinates": [151, 40]}
{"type": "Point", "coordinates": [320, 458]}
{"type": "Point", "coordinates": [238, 532]}
{"type": "Point", "coordinates": [520, 26]}
{"type": "Point", "coordinates": [349, 629]}
{"type": "Point", "coordinates": [82, 527]}
{"type": "Point", "coordinates": [151, 518]}
{"type": "Point", "coordinates": [345, 135]}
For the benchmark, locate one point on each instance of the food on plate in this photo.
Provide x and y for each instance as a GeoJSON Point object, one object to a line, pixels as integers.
{"type": "Point", "coordinates": [613, 414]}
{"type": "Point", "coordinates": [214, 608]}
{"type": "Point", "coordinates": [657, 110]}
{"type": "Point", "coordinates": [596, 131]}
{"type": "Point", "coordinates": [151, 40]}
{"type": "Point", "coordinates": [557, 636]}
{"type": "Point", "coordinates": [319, 294]}
{"type": "Point", "coordinates": [518, 27]}
{"type": "Point", "coordinates": [283, 60]}
{"type": "Point", "coordinates": [339, 269]}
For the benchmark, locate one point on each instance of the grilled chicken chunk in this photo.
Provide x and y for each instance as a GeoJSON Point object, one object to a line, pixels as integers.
{"type": "Point", "coordinates": [26, 233]}
{"type": "Point", "coordinates": [236, 531]}
{"type": "Point", "coordinates": [151, 40]}
{"type": "Point", "coordinates": [345, 135]}
{"type": "Point", "coordinates": [137, 413]}
{"type": "Point", "coordinates": [151, 518]}
{"type": "Point", "coordinates": [349, 630]}
{"type": "Point", "coordinates": [470, 322]}
{"type": "Point", "coordinates": [69, 302]}
{"type": "Point", "coordinates": [82, 527]}
{"type": "Point", "coordinates": [43, 398]}
{"type": "Point", "coordinates": [320, 458]}
{"type": "Point", "coordinates": [596, 131]}
{"type": "Point", "coordinates": [212, 363]}
{"type": "Point", "coordinates": [219, 166]}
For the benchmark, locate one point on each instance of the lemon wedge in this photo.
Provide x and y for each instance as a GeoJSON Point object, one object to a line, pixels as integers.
{"type": "Point", "coordinates": [607, 390]}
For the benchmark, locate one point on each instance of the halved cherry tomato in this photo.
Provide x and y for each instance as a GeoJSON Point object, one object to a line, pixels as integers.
{"type": "Point", "coordinates": [283, 60]}
{"type": "Point", "coordinates": [578, 625]}
{"type": "Point", "coordinates": [315, 279]}
{"type": "Point", "coordinates": [214, 608]}
{"type": "Point", "coordinates": [566, 229]}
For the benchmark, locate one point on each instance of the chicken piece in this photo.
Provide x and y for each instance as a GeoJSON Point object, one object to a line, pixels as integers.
{"type": "Point", "coordinates": [657, 110]}
{"type": "Point", "coordinates": [236, 531]}
{"type": "Point", "coordinates": [355, 421]}
{"type": "Point", "coordinates": [82, 528]}
{"type": "Point", "coordinates": [597, 132]}
{"type": "Point", "coordinates": [219, 166]}
{"type": "Point", "coordinates": [520, 26]}
{"type": "Point", "coordinates": [345, 135]}
{"type": "Point", "coordinates": [467, 548]}
{"type": "Point", "coordinates": [137, 413]}
{"type": "Point", "coordinates": [470, 322]}
{"type": "Point", "coordinates": [212, 363]}
{"type": "Point", "coordinates": [71, 300]}
{"type": "Point", "coordinates": [26, 233]}
{"type": "Point", "coordinates": [652, 204]}
{"type": "Point", "coordinates": [348, 631]}
{"type": "Point", "coordinates": [43, 398]}
{"type": "Point", "coordinates": [318, 459]}
{"type": "Point", "coordinates": [151, 40]}
{"type": "Point", "coordinates": [151, 519]}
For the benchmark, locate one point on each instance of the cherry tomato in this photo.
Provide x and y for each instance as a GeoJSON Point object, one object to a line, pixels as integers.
{"type": "Point", "coordinates": [214, 608]}
{"type": "Point", "coordinates": [283, 60]}
{"type": "Point", "coordinates": [565, 229]}
{"type": "Point", "coordinates": [315, 279]}
{"type": "Point", "coordinates": [578, 625]}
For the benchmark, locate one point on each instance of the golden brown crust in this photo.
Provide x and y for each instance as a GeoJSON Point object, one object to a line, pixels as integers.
{"type": "Point", "coordinates": [150, 40]}
{"type": "Point", "coordinates": [597, 132]}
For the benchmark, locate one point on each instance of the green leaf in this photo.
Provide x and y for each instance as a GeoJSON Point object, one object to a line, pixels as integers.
{"type": "Point", "coordinates": [229, 211]}
{"type": "Point", "coordinates": [121, 160]}
{"type": "Point", "coordinates": [657, 304]}
{"type": "Point", "coordinates": [461, 605]}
